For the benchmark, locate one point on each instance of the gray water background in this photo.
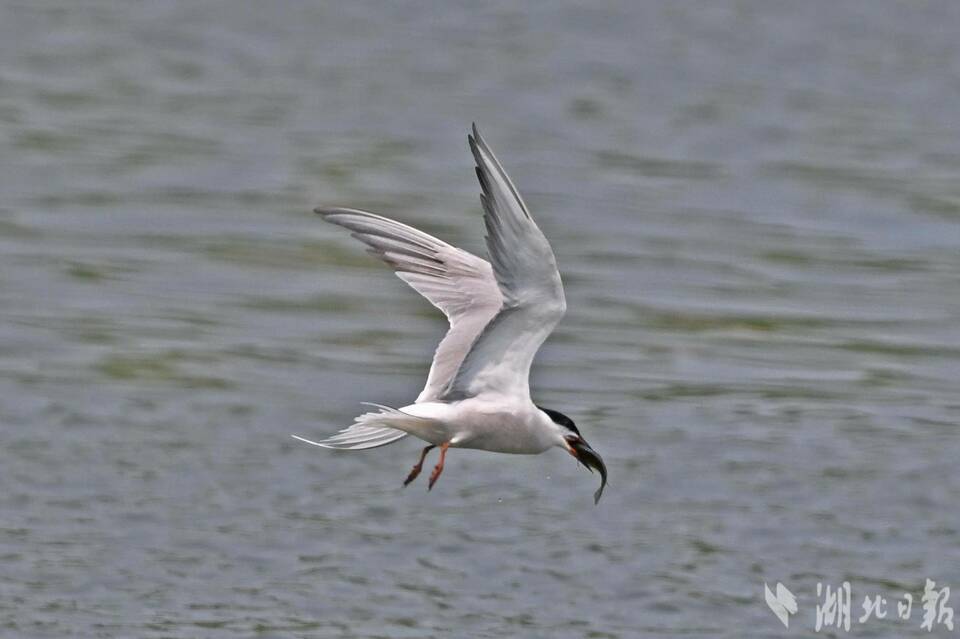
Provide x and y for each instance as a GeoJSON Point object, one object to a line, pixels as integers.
{"type": "Point", "coordinates": [756, 210]}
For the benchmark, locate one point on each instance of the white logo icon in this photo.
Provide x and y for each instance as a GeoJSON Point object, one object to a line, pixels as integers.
{"type": "Point", "coordinates": [783, 604]}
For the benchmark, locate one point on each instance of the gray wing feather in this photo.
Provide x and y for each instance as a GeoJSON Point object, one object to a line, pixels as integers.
{"type": "Point", "coordinates": [460, 284]}
{"type": "Point", "coordinates": [526, 272]}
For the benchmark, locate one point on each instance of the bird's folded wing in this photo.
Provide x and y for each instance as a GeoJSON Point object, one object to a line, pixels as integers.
{"type": "Point", "coordinates": [460, 284]}
{"type": "Point", "coordinates": [526, 273]}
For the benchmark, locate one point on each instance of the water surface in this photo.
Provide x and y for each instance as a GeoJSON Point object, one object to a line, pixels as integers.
{"type": "Point", "coordinates": [756, 211]}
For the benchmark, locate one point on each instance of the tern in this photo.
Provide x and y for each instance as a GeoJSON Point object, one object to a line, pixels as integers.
{"type": "Point", "coordinates": [477, 393]}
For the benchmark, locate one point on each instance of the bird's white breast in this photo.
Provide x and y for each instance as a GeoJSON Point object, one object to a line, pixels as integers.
{"type": "Point", "coordinates": [494, 424]}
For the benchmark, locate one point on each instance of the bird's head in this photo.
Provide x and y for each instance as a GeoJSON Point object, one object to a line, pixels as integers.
{"type": "Point", "coordinates": [570, 439]}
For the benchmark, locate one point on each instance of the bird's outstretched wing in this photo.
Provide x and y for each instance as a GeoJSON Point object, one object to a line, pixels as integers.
{"type": "Point", "coordinates": [526, 273]}
{"type": "Point", "coordinates": [460, 284]}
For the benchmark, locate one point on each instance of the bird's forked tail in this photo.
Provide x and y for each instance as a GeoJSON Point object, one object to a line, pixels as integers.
{"type": "Point", "coordinates": [369, 430]}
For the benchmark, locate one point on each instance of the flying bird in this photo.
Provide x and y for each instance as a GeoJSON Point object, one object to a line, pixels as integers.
{"type": "Point", "coordinates": [500, 311]}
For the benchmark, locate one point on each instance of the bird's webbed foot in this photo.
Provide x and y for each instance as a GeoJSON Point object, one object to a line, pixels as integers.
{"type": "Point", "coordinates": [439, 467]}
{"type": "Point", "coordinates": [415, 471]}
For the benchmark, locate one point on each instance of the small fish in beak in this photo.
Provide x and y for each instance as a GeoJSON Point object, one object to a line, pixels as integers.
{"type": "Point", "coordinates": [589, 458]}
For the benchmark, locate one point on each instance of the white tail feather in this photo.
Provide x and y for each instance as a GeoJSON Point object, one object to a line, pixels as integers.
{"type": "Point", "coordinates": [369, 430]}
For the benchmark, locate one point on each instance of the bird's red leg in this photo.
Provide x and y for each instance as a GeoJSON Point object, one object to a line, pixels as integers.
{"type": "Point", "coordinates": [419, 466]}
{"type": "Point", "coordinates": [439, 467]}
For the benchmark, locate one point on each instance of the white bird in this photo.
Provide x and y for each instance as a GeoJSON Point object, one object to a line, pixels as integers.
{"type": "Point", "coordinates": [477, 393]}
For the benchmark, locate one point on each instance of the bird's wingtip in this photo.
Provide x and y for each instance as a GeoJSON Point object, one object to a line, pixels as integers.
{"type": "Point", "coordinates": [327, 212]}
{"type": "Point", "coordinates": [474, 136]}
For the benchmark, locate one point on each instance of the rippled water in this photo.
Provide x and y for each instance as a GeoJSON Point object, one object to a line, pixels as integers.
{"type": "Point", "coordinates": [756, 210]}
